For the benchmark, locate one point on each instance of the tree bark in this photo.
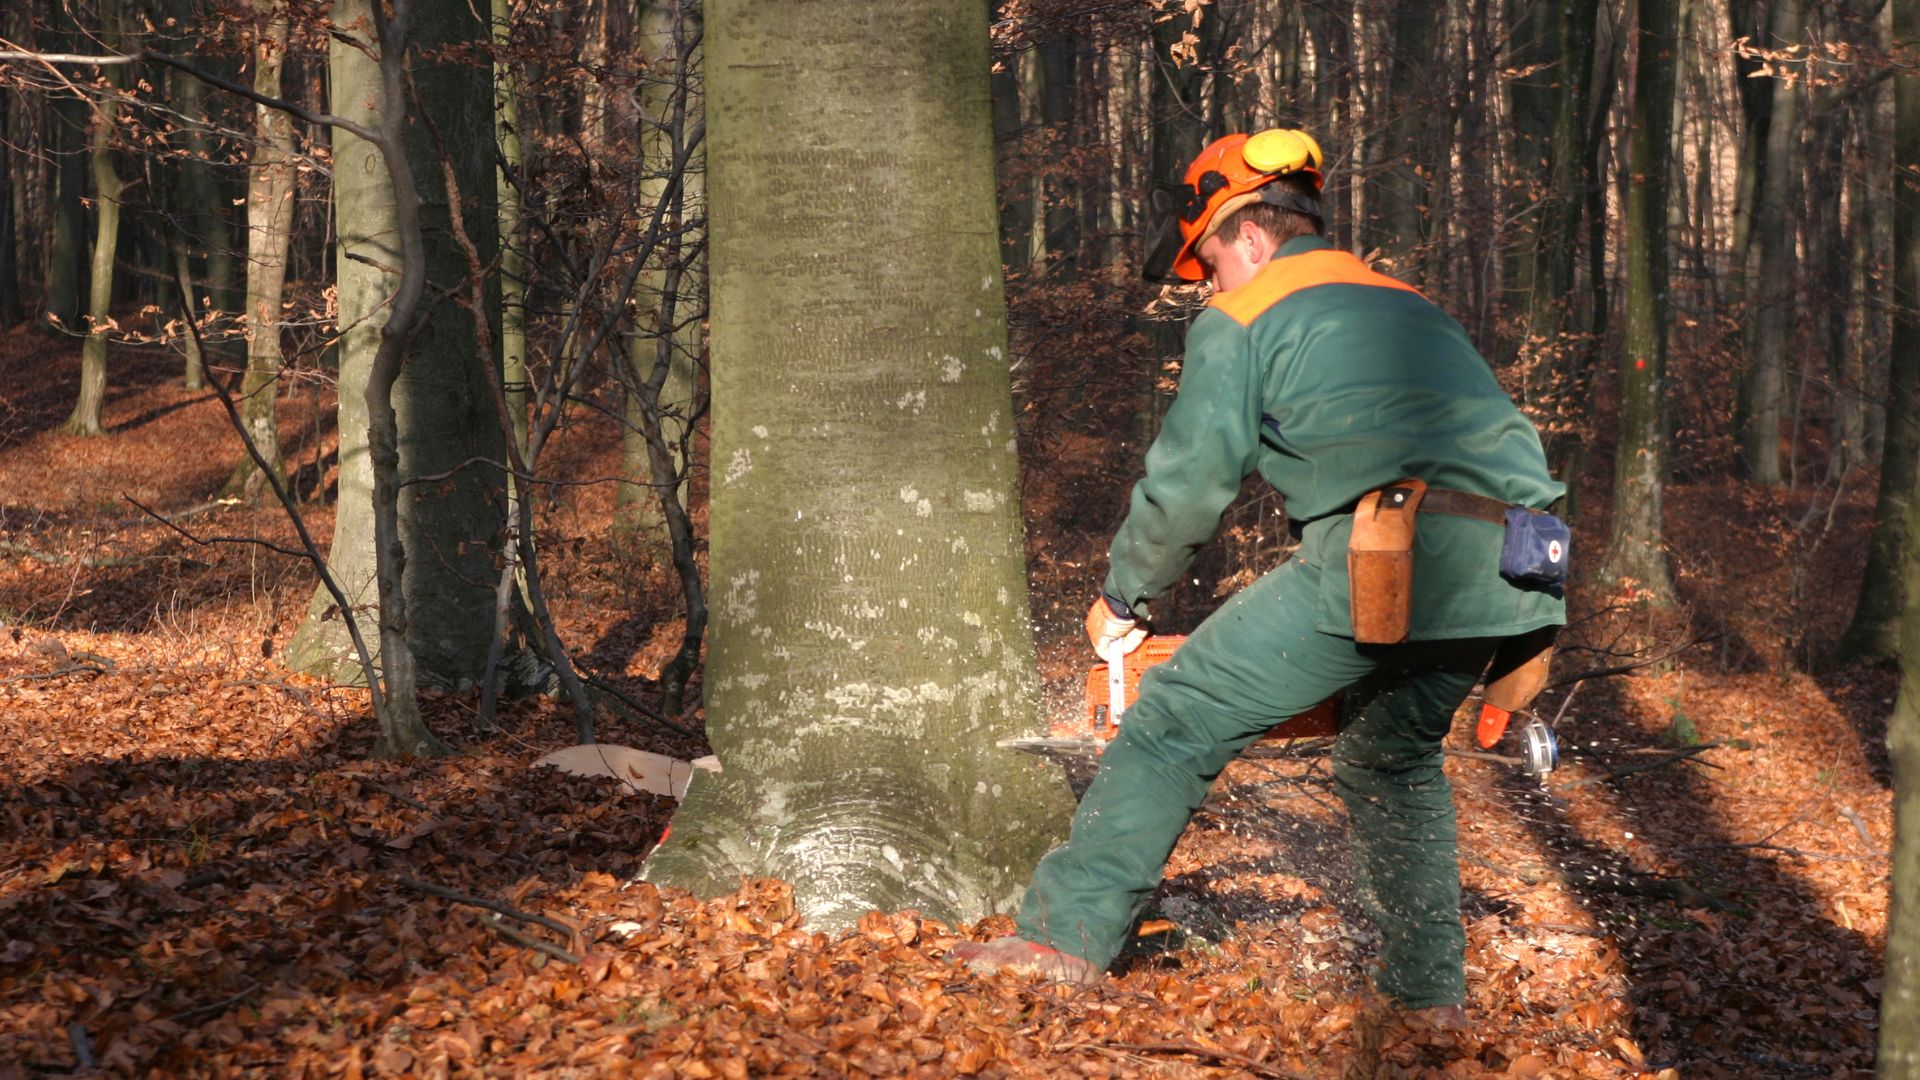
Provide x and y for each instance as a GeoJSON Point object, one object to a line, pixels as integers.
{"type": "Point", "coordinates": [270, 186]}
{"type": "Point", "coordinates": [431, 421]}
{"type": "Point", "coordinates": [107, 186]}
{"type": "Point", "coordinates": [11, 308]}
{"type": "Point", "coordinates": [870, 639]}
{"type": "Point", "coordinates": [1058, 95]}
{"type": "Point", "coordinates": [1770, 287]}
{"type": "Point", "coordinates": [513, 258]}
{"type": "Point", "coordinates": [1875, 629]}
{"type": "Point", "coordinates": [67, 263]}
{"type": "Point", "coordinates": [1408, 139]}
{"type": "Point", "coordinates": [1558, 371]}
{"type": "Point", "coordinates": [1009, 130]}
{"type": "Point", "coordinates": [1636, 548]}
{"type": "Point", "coordinates": [1900, 996]}
{"type": "Point", "coordinates": [663, 357]}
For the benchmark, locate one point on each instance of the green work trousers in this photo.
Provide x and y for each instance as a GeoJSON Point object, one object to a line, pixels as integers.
{"type": "Point", "coordinates": [1255, 662]}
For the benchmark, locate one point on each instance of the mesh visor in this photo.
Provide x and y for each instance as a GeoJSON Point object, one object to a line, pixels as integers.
{"type": "Point", "coordinates": [1163, 240]}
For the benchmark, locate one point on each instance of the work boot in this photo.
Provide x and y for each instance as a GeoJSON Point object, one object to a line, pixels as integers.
{"type": "Point", "coordinates": [1438, 1017]}
{"type": "Point", "coordinates": [1023, 957]}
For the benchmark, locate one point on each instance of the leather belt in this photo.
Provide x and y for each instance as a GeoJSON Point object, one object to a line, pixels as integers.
{"type": "Point", "coordinates": [1464, 504]}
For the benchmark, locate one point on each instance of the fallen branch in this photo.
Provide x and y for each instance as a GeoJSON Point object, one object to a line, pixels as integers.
{"type": "Point", "coordinates": [495, 906]}
{"type": "Point", "coordinates": [1225, 1057]}
{"type": "Point", "coordinates": [1820, 856]}
{"type": "Point", "coordinates": [212, 540]}
{"type": "Point", "coordinates": [216, 1007]}
{"type": "Point", "coordinates": [1628, 669]}
{"type": "Point", "coordinates": [1623, 882]}
{"type": "Point", "coordinates": [278, 684]}
{"type": "Point", "coordinates": [82, 1047]}
{"type": "Point", "coordinates": [546, 947]}
{"type": "Point", "coordinates": [53, 558]}
{"type": "Point", "coordinates": [621, 699]}
{"type": "Point", "coordinates": [399, 796]}
{"type": "Point", "coordinates": [1479, 755]}
{"type": "Point", "coordinates": [56, 673]}
{"type": "Point", "coordinates": [1686, 754]}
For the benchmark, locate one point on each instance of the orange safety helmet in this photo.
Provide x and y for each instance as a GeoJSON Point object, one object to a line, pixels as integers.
{"type": "Point", "coordinates": [1230, 173]}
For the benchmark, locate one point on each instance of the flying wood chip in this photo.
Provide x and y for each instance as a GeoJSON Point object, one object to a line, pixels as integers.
{"type": "Point", "coordinates": [656, 774]}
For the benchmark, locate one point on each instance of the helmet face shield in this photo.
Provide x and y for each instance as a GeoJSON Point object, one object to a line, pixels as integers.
{"type": "Point", "coordinates": [1164, 235]}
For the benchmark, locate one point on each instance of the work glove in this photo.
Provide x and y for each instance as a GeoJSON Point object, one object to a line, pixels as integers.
{"type": "Point", "coordinates": [1113, 629]}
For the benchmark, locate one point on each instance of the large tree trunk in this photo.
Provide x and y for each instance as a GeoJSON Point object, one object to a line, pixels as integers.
{"type": "Point", "coordinates": [1770, 286]}
{"type": "Point", "coordinates": [67, 262]}
{"type": "Point", "coordinates": [1536, 51]}
{"type": "Point", "coordinates": [107, 185]}
{"type": "Point", "coordinates": [1009, 136]}
{"type": "Point", "coordinates": [1559, 370]}
{"type": "Point", "coordinates": [1900, 996]}
{"type": "Point", "coordinates": [870, 640]}
{"type": "Point", "coordinates": [1635, 550]}
{"type": "Point", "coordinates": [663, 355]}
{"type": "Point", "coordinates": [663, 392]}
{"type": "Point", "coordinates": [442, 416]}
{"type": "Point", "coordinates": [11, 309]}
{"type": "Point", "coordinates": [1058, 96]}
{"type": "Point", "coordinates": [513, 256]}
{"type": "Point", "coordinates": [269, 233]}
{"type": "Point", "coordinates": [1408, 141]}
{"type": "Point", "coordinates": [1875, 629]}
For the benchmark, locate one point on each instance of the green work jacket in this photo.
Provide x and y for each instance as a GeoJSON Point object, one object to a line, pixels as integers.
{"type": "Point", "coordinates": [1332, 380]}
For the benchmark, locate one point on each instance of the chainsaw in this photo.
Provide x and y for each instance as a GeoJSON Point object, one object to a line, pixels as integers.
{"type": "Point", "coordinates": [1112, 687]}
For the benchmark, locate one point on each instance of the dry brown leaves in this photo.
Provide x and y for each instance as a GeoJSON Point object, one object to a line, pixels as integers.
{"type": "Point", "coordinates": [202, 873]}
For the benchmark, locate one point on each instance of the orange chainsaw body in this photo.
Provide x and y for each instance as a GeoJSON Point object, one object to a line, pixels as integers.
{"type": "Point", "coordinates": [1322, 720]}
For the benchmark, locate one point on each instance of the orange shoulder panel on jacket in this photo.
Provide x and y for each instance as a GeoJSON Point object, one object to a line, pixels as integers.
{"type": "Point", "coordinates": [1283, 277]}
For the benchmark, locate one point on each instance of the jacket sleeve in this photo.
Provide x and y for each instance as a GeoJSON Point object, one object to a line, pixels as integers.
{"type": "Point", "coordinates": [1206, 446]}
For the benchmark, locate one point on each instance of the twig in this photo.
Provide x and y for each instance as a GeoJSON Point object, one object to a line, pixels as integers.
{"type": "Point", "coordinates": [1623, 881]}
{"type": "Point", "coordinates": [278, 684]}
{"type": "Point", "coordinates": [399, 796]}
{"type": "Point", "coordinates": [1870, 856]}
{"type": "Point", "coordinates": [311, 548]}
{"type": "Point", "coordinates": [56, 559]}
{"type": "Point", "coordinates": [1628, 669]}
{"type": "Point", "coordinates": [1564, 928]}
{"type": "Point", "coordinates": [1644, 766]}
{"type": "Point", "coordinates": [1477, 755]}
{"type": "Point", "coordinates": [82, 1046]}
{"type": "Point", "coordinates": [1191, 1049]}
{"type": "Point", "coordinates": [210, 541]}
{"type": "Point", "coordinates": [70, 669]}
{"type": "Point", "coordinates": [622, 699]}
{"type": "Point", "coordinates": [217, 1006]}
{"type": "Point", "coordinates": [531, 942]}
{"type": "Point", "coordinates": [492, 905]}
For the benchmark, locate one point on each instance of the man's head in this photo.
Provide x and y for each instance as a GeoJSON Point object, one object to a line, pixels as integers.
{"type": "Point", "coordinates": [1247, 238]}
{"type": "Point", "coordinates": [1268, 182]}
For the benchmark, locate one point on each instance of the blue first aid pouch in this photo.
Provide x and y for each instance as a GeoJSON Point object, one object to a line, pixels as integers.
{"type": "Point", "coordinates": [1536, 549]}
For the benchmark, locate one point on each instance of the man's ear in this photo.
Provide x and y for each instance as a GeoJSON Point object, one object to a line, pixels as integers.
{"type": "Point", "coordinates": [1260, 246]}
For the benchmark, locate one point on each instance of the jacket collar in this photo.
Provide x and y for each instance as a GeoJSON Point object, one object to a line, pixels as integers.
{"type": "Point", "coordinates": [1300, 245]}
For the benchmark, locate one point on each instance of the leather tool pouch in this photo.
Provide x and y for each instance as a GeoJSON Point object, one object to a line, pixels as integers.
{"type": "Point", "coordinates": [1380, 562]}
{"type": "Point", "coordinates": [1519, 670]}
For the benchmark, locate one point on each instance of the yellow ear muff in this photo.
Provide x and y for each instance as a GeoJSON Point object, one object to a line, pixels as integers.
{"type": "Point", "coordinates": [1280, 151]}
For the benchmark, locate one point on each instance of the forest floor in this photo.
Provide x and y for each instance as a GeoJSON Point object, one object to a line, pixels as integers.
{"type": "Point", "coordinates": [203, 871]}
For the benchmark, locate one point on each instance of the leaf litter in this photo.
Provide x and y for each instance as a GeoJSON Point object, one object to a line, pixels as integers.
{"type": "Point", "coordinates": [203, 873]}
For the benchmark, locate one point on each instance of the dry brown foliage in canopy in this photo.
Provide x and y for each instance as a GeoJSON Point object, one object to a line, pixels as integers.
{"type": "Point", "coordinates": [202, 872]}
